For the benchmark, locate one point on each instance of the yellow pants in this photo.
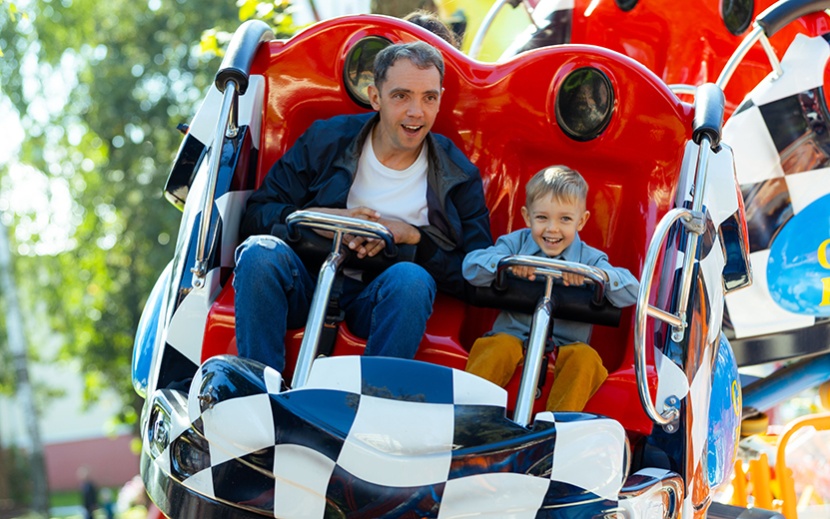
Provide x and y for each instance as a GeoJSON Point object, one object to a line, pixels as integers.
{"type": "Point", "coordinates": [577, 374]}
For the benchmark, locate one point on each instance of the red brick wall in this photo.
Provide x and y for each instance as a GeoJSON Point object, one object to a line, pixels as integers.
{"type": "Point", "coordinates": [109, 460]}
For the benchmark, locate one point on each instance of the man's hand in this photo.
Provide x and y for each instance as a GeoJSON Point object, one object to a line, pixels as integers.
{"type": "Point", "coordinates": [362, 213]}
{"type": "Point", "coordinates": [402, 232]}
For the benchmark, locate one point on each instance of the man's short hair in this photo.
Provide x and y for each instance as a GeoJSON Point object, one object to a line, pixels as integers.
{"type": "Point", "coordinates": [560, 182]}
{"type": "Point", "coordinates": [421, 54]}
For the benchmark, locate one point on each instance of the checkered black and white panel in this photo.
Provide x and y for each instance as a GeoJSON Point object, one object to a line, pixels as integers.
{"type": "Point", "coordinates": [721, 207]}
{"type": "Point", "coordinates": [382, 437]}
{"type": "Point", "coordinates": [182, 351]}
{"type": "Point", "coordinates": [722, 217]}
{"type": "Point", "coordinates": [782, 156]}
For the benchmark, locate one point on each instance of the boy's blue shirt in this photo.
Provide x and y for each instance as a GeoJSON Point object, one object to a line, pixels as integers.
{"type": "Point", "coordinates": [480, 266]}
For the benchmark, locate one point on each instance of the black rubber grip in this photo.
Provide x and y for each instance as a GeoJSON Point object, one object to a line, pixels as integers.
{"type": "Point", "coordinates": [573, 303]}
{"type": "Point", "coordinates": [783, 12]}
{"type": "Point", "coordinates": [709, 103]}
{"type": "Point", "coordinates": [236, 65]}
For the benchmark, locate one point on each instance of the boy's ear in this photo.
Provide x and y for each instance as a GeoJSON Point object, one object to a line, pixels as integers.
{"type": "Point", "coordinates": [526, 216]}
{"type": "Point", "coordinates": [583, 220]}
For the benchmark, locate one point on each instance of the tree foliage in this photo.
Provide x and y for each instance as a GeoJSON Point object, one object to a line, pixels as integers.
{"type": "Point", "coordinates": [98, 88]}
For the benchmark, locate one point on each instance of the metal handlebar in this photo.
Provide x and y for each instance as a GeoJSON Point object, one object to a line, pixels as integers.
{"type": "Point", "coordinates": [340, 225]}
{"type": "Point", "coordinates": [553, 268]}
{"type": "Point", "coordinates": [549, 269]}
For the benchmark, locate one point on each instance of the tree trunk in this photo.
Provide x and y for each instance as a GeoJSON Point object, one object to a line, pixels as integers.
{"type": "Point", "coordinates": [400, 8]}
{"type": "Point", "coordinates": [17, 347]}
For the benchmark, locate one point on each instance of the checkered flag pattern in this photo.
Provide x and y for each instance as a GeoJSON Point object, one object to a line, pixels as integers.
{"type": "Point", "coordinates": [182, 348]}
{"type": "Point", "coordinates": [718, 268]}
{"type": "Point", "coordinates": [782, 156]}
{"type": "Point", "coordinates": [379, 437]}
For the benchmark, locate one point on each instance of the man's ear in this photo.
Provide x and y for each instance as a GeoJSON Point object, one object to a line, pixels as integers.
{"type": "Point", "coordinates": [583, 220]}
{"type": "Point", "coordinates": [374, 96]}
{"type": "Point", "coordinates": [526, 216]}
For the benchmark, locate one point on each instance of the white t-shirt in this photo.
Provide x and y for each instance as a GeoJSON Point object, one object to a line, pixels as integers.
{"type": "Point", "coordinates": [401, 195]}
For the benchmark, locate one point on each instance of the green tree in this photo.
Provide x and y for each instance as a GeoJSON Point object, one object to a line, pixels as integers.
{"type": "Point", "coordinates": [98, 88]}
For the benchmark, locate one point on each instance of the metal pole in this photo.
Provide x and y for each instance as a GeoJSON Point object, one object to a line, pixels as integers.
{"type": "Point", "coordinates": [533, 358]}
{"type": "Point", "coordinates": [17, 347]}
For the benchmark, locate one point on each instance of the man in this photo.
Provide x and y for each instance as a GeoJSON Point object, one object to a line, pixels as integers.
{"type": "Point", "coordinates": [385, 167]}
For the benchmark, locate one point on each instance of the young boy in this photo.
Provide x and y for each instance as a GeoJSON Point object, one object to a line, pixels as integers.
{"type": "Point", "coordinates": [555, 213]}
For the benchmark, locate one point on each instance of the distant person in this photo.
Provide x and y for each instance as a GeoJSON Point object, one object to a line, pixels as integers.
{"type": "Point", "coordinates": [554, 212]}
{"type": "Point", "coordinates": [431, 22]}
{"type": "Point", "coordinates": [108, 503]}
{"type": "Point", "coordinates": [89, 492]}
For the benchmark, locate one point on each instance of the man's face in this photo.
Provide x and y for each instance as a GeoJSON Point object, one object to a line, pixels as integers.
{"type": "Point", "coordinates": [408, 102]}
{"type": "Point", "coordinates": [554, 223]}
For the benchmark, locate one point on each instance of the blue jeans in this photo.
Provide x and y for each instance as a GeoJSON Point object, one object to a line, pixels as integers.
{"type": "Point", "coordinates": [274, 291]}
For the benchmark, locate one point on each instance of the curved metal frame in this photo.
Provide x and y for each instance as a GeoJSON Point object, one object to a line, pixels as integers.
{"type": "Point", "coordinates": [225, 127]}
{"type": "Point", "coordinates": [339, 225]}
{"type": "Point", "coordinates": [743, 49]}
{"type": "Point", "coordinates": [645, 310]}
{"type": "Point", "coordinates": [484, 28]}
{"type": "Point", "coordinates": [672, 486]}
{"type": "Point", "coordinates": [549, 269]}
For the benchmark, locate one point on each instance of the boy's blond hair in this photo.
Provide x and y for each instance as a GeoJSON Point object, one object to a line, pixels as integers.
{"type": "Point", "coordinates": [560, 182]}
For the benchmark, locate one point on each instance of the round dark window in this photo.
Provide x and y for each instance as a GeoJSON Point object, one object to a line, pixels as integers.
{"type": "Point", "coordinates": [737, 14]}
{"type": "Point", "coordinates": [626, 5]}
{"type": "Point", "coordinates": [584, 103]}
{"type": "Point", "coordinates": [357, 72]}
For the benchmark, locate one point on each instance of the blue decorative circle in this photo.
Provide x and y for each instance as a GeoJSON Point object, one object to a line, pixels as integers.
{"type": "Point", "coordinates": [799, 263]}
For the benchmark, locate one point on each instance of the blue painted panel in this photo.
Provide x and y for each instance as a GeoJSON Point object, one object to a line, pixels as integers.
{"type": "Point", "coordinates": [724, 415]}
{"type": "Point", "coordinates": [148, 328]}
{"type": "Point", "coordinates": [798, 263]}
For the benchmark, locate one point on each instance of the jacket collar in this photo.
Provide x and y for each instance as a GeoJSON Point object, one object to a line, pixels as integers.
{"type": "Point", "coordinates": [443, 173]}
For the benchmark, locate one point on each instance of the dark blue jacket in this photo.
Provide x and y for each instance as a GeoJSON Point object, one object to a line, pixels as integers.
{"type": "Point", "coordinates": [319, 169]}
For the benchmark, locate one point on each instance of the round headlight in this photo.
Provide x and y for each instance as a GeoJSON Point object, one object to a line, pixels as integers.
{"type": "Point", "coordinates": [626, 5]}
{"type": "Point", "coordinates": [357, 71]}
{"type": "Point", "coordinates": [737, 15]}
{"type": "Point", "coordinates": [584, 103]}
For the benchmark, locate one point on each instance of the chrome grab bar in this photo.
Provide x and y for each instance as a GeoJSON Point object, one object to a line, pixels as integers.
{"type": "Point", "coordinates": [644, 310]}
{"type": "Point", "coordinates": [478, 39]}
{"type": "Point", "coordinates": [696, 227]}
{"type": "Point", "coordinates": [339, 225]}
{"type": "Point", "coordinates": [743, 49]}
{"type": "Point", "coordinates": [679, 89]}
{"type": "Point", "coordinates": [672, 486]}
{"type": "Point", "coordinates": [549, 269]}
{"type": "Point", "coordinates": [226, 126]}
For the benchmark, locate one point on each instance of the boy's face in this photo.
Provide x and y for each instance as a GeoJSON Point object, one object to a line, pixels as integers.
{"type": "Point", "coordinates": [554, 222]}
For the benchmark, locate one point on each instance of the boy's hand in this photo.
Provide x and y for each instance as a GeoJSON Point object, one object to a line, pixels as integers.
{"type": "Point", "coordinates": [569, 278]}
{"type": "Point", "coordinates": [524, 272]}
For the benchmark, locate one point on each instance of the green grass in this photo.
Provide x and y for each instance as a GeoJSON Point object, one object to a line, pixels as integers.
{"type": "Point", "coordinates": [65, 498]}
{"type": "Point", "coordinates": [138, 512]}
{"type": "Point", "coordinates": [73, 498]}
